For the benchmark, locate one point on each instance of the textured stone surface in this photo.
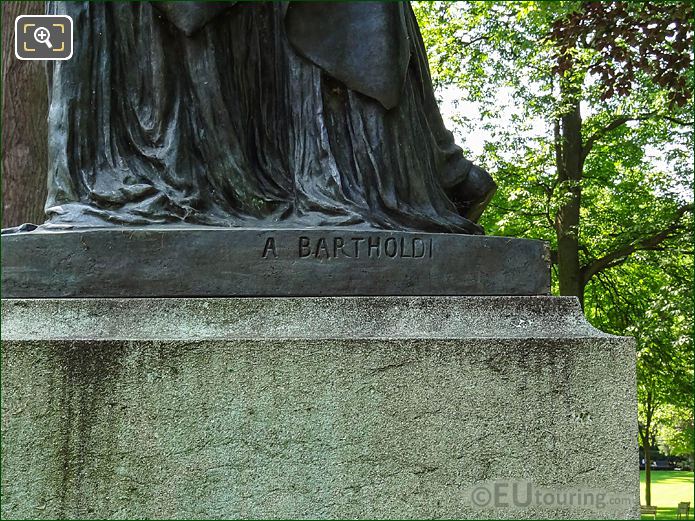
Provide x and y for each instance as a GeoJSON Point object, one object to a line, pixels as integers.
{"type": "Point", "coordinates": [199, 261]}
{"type": "Point", "coordinates": [352, 408]}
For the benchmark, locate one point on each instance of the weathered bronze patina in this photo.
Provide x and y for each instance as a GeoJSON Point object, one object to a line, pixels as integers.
{"type": "Point", "coordinates": [249, 114]}
{"type": "Point", "coordinates": [207, 261]}
{"type": "Point", "coordinates": [256, 149]}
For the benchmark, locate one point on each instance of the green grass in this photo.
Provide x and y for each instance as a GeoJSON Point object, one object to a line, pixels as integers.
{"type": "Point", "coordinates": [669, 487]}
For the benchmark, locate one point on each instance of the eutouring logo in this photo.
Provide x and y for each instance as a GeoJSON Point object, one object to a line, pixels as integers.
{"type": "Point", "coordinates": [523, 494]}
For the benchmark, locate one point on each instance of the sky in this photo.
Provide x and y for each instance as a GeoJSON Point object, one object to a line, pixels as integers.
{"type": "Point", "coordinates": [451, 107]}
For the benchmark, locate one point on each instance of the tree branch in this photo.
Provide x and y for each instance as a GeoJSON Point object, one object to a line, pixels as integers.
{"type": "Point", "coordinates": [621, 120]}
{"type": "Point", "coordinates": [622, 253]}
{"type": "Point", "coordinates": [517, 211]}
{"type": "Point", "coordinates": [616, 123]}
{"type": "Point", "coordinates": [549, 191]}
{"type": "Point", "coordinates": [677, 121]}
{"type": "Point", "coordinates": [482, 37]}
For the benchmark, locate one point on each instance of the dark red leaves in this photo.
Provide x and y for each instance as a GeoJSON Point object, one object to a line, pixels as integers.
{"type": "Point", "coordinates": [653, 38]}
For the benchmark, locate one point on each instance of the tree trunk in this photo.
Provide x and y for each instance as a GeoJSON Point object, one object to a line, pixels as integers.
{"type": "Point", "coordinates": [24, 128]}
{"type": "Point", "coordinates": [647, 448]}
{"type": "Point", "coordinates": [646, 436]}
{"type": "Point", "coordinates": [567, 217]}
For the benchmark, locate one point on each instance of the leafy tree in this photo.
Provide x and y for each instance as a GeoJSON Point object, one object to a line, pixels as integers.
{"type": "Point", "coordinates": [587, 111]}
{"type": "Point", "coordinates": [662, 327]}
{"type": "Point", "coordinates": [676, 431]}
{"type": "Point", "coordinates": [593, 150]}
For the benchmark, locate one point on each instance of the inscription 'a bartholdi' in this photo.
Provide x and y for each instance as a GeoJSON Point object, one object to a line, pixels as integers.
{"type": "Point", "coordinates": [355, 248]}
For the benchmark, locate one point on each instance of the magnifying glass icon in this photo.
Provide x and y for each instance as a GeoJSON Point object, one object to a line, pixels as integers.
{"type": "Point", "coordinates": [43, 35]}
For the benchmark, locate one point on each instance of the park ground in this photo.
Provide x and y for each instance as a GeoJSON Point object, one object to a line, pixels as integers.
{"type": "Point", "coordinates": [669, 487]}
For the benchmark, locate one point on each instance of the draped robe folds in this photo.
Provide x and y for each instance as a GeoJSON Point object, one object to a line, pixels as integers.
{"type": "Point", "coordinates": [255, 114]}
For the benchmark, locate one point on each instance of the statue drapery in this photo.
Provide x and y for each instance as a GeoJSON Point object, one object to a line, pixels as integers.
{"type": "Point", "coordinates": [300, 113]}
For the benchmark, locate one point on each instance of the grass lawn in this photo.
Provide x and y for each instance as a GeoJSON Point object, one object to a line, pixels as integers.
{"type": "Point", "coordinates": [669, 487]}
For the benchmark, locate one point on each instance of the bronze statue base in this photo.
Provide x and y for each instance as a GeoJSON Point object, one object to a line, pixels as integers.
{"type": "Point", "coordinates": [199, 261]}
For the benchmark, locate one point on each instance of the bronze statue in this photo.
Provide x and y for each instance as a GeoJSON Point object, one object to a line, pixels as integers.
{"type": "Point", "coordinates": [253, 115]}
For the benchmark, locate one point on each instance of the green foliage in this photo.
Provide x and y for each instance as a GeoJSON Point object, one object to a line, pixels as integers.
{"type": "Point", "coordinates": [635, 233]}
{"type": "Point", "coordinates": [676, 432]}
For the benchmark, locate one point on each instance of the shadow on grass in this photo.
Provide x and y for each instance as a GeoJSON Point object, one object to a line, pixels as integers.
{"type": "Point", "coordinates": [665, 513]}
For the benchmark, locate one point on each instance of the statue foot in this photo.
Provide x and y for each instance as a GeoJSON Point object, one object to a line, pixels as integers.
{"type": "Point", "coordinates": [473, 195]}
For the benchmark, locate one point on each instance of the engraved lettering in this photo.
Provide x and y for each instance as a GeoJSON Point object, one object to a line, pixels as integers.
{"type": "Point", "coordinates": [270, 248]}
{"type": "Point", "coordinates": [357, 241]}
{"type": "Point", "coordinates": [374, 245]}
{"type": "Point", "coordinates": [321, 249]}
{"type": "Point", "coordinates": [391, 247]}
{"type": "Point", "coordinates": [403, 249]}
{"type": "Point", "coordinates": [304, 248]}
{"type": "Point", "coordinates": [338, 244]}
{"type": "Point", "coordinates": [418, 248]}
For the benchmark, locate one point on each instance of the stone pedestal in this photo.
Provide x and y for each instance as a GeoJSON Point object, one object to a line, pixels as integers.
{"type": "Point", "coordinates": [374, 407]}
